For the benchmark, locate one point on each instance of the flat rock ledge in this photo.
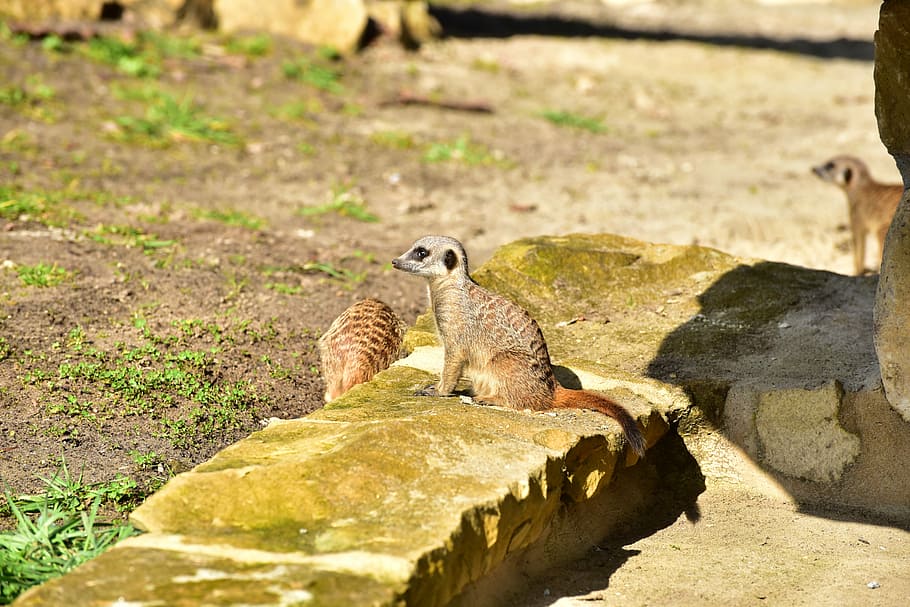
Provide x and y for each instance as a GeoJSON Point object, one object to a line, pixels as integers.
{"type": "Point", "coordinates": [380, 499]}
{"type": "Point", "coordinates": [747, 371]}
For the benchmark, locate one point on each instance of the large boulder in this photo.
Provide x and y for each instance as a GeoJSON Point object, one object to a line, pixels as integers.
{"type": "Point", "coordinates": [339, 24]}
{"type": "Point", "coordinates": [149, 13]}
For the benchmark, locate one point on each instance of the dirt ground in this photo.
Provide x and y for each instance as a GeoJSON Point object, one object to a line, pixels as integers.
{"type": "Point", "coordinates": [197, 275]}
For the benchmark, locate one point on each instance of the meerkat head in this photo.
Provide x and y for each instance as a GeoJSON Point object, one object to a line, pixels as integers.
{"type": "Point", "coordinates": [842, 170]}
{"type": "Point", "coordinates": [434, 257]}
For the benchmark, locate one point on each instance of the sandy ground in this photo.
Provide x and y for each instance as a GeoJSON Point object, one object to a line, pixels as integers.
{"type": "Point", "coordinates": [748, 549]}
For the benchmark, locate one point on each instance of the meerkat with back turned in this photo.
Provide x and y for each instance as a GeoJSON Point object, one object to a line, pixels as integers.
{"type": "Point", "coordinates": [495, 342]}
{"type": "Point", "coordinates": [364, 340]}
{"type": "Point", "coordinates": [871, 204]}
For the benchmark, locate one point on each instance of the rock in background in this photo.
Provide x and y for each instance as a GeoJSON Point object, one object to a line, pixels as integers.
{"type": "Point", "coordinates": [344, 25]}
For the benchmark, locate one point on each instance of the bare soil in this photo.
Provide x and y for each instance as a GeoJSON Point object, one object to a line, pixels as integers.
{"type": "Point", "coordinates": [197, 259]}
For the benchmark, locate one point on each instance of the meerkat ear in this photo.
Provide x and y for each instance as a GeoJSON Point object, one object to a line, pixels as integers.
{"type": "Point", "coordinates": [450, 259]}
{"type": "Point", "coordinates": [848, 175]}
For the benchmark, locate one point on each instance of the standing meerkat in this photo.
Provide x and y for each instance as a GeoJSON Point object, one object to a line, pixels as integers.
{"type": "Point", "coordinates": [871, 204]}
{"type": "Point", "coordinates": [361, 342]}
{"type": "Point", "coordinates": [494, 342]}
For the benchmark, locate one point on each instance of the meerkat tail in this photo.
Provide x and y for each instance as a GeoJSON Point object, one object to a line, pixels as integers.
{"type": "Point", "coordinates": [566, 398]}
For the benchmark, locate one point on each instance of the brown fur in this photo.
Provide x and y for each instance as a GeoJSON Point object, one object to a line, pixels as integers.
{"type": "Point", "coordinates": [870, 204]}
{"type": "Point", "coordinates": [494, 342]}
{"type": "Point", "coordinates": [362, 341]}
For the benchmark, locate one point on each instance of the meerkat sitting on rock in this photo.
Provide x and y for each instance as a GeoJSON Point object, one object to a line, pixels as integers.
{"type": "Point", "coordinates": [364, 340]}
{"type": "Point", "coordinates": [871, 204]}
{"type": "Point", "coordinates": [494, 342]}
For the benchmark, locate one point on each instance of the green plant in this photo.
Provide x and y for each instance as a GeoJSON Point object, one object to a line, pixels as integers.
{"type": "Point", "coordinates": [54, 44]}
{"type": "Point", "coordinates": [462, 150]}
{"type": "Point", "coordinates": [127, 236]}
{"type": "Point", "coordinates": [42, 275]}
{"type": "Point", "coordinates": [232, 217]}
{"type": "Point", "coordinates": [345, 201]}
{"type": "Point", "coordinates": [330, 270]}
{"type": "Point", "coordinates": [148, 459]}
{"type": "Point", "coordinates": [167, 119]}
{"type": "Point", "coordinates": [256, 45]}
{"type": "Point", "coordinates": [127, 57]}
{"type": "Point", "coordinates": [299, 110]}
{"type": "Point", "coordinates": [30, 99]}
{"type": "Point", "coordinates": [575, 121]}
{"type": "Point", "coordinates": [282, 287]}
{"type": "Point", "coordinates": [315, 74]}
{"type": "Point", "coordinates": [396, 140]}
{"type": "Point", "coordinates": [56, 531]}
{"type": "Point", "coordinates": [47, 207]}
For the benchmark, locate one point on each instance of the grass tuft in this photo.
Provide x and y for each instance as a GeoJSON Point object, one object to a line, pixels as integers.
{"type": "Point", "coordinates": [42, 275]}
{"type": "Point", "coordinates": [54, 532]}
{"type": "Point", "coordinates": [167, 120]}
{"type": "Point", "coordinates": [575, 121]}
{"type": "Point", "coordinates": [345, 201]}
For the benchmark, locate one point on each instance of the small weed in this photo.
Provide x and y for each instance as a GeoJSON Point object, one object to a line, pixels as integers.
{"type": "Point", "coordinates": [30, 99]}
{"type": "Point", "coordinates": [56, 531]}
{"type": "Point", "coordinates": [396, 140]}
{"type": "Point", "coordinates": [462, 150]}
{"type": "Point", "coordinates": [127, 236]}
{"type": "Point", "coordinates": [314, 74]}
{"type": "Point", "coordinates": [54, 44]}
{"type": "Point", "coordinates": [286, 289]}
{"type": "Point", "coordinates": [345, 201]}
{"type": "Point", "coordinates": [42, 275]}
{"type": "Point", "coordinates": [257, 45]}
{"type": "Point", "coordinates": [17, 141]}
{"type": "Point", "coordinates": [165, 45]}
{"type": "Point", "coordinates": [148, 459]}
{"type": "Point", "coordinates": [127, 57]}
{"type": "Point", "coordinates": [167, 120]}
{"type": "Point", "coordinates": [330, 270]}
{"type": "Point", "coordinates": [232, 218]}
{"type": "Point", "coordinates": [299, 110]}
{"type": "Point", "coordinates": [575, 121]}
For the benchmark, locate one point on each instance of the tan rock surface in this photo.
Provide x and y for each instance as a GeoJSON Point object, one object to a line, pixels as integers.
{"type": "Point", "coordinates": [892, 302]}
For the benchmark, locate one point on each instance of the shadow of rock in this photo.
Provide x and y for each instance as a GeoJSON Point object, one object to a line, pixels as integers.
{"type": "Point", "coordinates": [641, 500]}
{"type": "Point", "coordinates": [780, 360]}
{"type": "Point", "coordinates": [488, 23]}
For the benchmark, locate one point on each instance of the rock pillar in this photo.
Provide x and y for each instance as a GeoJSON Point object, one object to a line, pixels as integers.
{"type": "Point", "coordinates": [892, 109]}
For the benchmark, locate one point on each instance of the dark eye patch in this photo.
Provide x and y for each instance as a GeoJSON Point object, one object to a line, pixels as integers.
{"type": "Point", "coordinates": [829, 166]}
{"type": "Point", "coordinates": [450, 259]}
{"type": "Point", "coordinates": [421, 253]}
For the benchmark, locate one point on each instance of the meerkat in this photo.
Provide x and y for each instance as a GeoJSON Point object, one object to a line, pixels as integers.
{"type": "Point", "coordinates": [871, 204]}
{"type": "Point", "coordinates": [494, 342]}
{"type": "Point", "coordinates": [364, 340]}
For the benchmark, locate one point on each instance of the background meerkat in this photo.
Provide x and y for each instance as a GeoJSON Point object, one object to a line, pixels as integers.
{"type": "Point", "coordinates": [362, 341]}
{"type": "Point", "coordinates": [494, 342]}
{"type": "Point", "coordinates": [871, 204]}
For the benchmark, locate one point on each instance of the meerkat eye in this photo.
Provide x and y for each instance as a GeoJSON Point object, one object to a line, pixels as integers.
{"type": "Point", "coordinates": [829, 166]}
{"type": "Point", "coordinates": [421, 253]}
